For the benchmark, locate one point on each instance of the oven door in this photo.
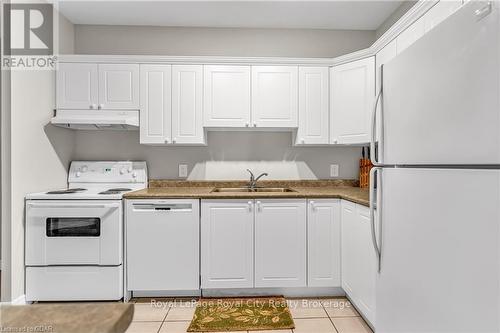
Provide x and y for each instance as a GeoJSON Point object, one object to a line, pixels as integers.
{"type": "Point", "coordinates": [73, 233]}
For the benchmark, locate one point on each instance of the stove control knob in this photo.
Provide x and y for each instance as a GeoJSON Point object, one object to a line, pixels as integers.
{"type": "Point", "coordinates": [122, 171]}
{"type": "Point", "coordinates": [78, 173]}
{"type": "Point", "coordinates": [134, 174]}
{"type": "Point", "coordinates": [85, 168]}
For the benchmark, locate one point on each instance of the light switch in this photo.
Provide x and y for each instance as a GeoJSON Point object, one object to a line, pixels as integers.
{"type": "Point", "coordinates": [334, 170]}
{"type": "Point", "coordinates": [183, 170]}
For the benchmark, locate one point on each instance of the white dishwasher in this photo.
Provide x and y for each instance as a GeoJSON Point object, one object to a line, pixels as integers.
{"type": "Point", "coordinates": [162, 245]}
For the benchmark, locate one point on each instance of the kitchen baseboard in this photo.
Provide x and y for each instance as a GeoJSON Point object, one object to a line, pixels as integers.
{"type": "Point", "coordinates": [21, 300]}
{"type": "Point", "coordinates": [287, 292]}
{"type": "Point", "coordinates": [166, 293]}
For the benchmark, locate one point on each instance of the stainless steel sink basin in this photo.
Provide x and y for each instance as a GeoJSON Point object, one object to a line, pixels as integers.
{"type": "Point", "coordinates": [252, 190]}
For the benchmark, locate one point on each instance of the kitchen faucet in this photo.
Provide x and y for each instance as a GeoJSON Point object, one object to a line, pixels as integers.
{"type": "Point", "coordinates": [253, 181]}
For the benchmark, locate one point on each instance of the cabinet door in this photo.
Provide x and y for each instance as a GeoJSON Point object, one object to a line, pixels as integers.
{"type": "Point", "coordinates": [280, 243]}
{"type": "Point", "coordinates": [349, 247]}
{"type": "Point", "coordinates": [385, 55]}
{"type": "Point", "coordinates": [156, 104]}
{"type": "Point", "coordinates": [439, 13]}
{"type": "Point", "coordinates": [162, 244]}
{"type": "Point", "coordinates": [323, 225]}
{"type": "Point", "coordinates": [410, 35]}
{"type": "Point", "coordinates": [119, 86]}
{"type": "Point", "coordinates": [77, 86]}
{"type": "Point", "coordinates": [275, 96]}
{"type": "Point", "coordinates": [226, 96]}
{"type": "Point", "coordinates": [352, 96]}
{"type": "Point", "coordinates": [187, 95]}
{"type": "Point", "coordinates": [367, 267]}
{"type": "Point", "coordinates": [227, 228]}
{"type": "Point", "coordinates": [313, 106]}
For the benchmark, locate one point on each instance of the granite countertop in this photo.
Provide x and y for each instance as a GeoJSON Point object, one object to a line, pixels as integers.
{"type": "Point", "coordinates": [67, 317]}
{"type": "Point", "coordinates": [169, 189]}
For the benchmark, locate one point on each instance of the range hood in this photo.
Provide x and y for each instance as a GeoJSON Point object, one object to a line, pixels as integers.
{"type": "Point", "coordinates": [97, 119]}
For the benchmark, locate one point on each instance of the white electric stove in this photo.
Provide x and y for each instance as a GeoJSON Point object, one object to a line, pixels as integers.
{"type": "Point", "coordinates": [74, 236]}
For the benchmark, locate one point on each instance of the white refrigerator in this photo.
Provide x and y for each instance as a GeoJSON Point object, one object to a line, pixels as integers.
{"type": "Point", "coordinates": [436, 229]}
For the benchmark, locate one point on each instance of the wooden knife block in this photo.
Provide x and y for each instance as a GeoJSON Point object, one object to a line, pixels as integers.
{"type": "Point", "coordinates": [365, 165]}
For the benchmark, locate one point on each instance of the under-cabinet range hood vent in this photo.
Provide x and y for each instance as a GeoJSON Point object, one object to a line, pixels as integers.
{"type": "Point", "coordinates": [97, 119]}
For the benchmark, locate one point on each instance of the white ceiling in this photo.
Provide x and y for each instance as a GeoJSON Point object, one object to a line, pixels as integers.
{"type": "Point", "coordinates": [356, 15]}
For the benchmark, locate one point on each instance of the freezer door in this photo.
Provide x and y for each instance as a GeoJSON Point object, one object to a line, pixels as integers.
{"type": "Point", "coordinates": [439, 251]}
{"type": "Point", "coordinates": [441, 95]}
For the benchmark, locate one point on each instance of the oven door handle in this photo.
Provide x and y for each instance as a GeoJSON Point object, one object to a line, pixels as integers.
{"type": "Point", "coordinates": [48, 205]}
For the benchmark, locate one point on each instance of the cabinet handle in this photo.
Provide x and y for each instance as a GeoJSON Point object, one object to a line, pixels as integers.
{"type": "Point", "coordinates": [254, 124]}
{"type": "Point", "coordinates": [259, 208]}
{"type": "Point", "coordinates": [93, 106]}
{"type": "Point", "coordinates": [335, 141]}
{"type": "Point", "coordinates": [312, 205]}
{"type": "Point", "coordinates": [250, 206]}
{"type": "Point", "coordinates": [247, 124]}
{"type": "Point", "coordinates": [302, 141]}
{"type": "Point", "coordinates": [174, 140]}
{"type": "Point", "coordinates": [166, 140]}
{"type": "Point", "coordinates": [100, 106]}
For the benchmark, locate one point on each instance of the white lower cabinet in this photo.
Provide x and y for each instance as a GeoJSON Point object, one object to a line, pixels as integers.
{"type": "Point", "coordinates": [359, 262]}
{"type": "Point", "coordinates": [280, 243]}
{"type": "Point", "coordinates": [162, 244]}
{"type": "Point", "coordinates": [227, 228]}
{"type": "Point", "coordinates": [323, 249]}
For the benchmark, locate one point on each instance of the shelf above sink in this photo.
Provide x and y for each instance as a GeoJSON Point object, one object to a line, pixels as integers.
{"type": "Point", "coordinates": [252, 190]}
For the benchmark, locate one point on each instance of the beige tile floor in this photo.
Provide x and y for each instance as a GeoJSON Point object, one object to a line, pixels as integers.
{"type": "Point", "coordinates": [333, 315]}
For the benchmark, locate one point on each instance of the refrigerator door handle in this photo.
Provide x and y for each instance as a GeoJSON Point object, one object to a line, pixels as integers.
{"type": "Point", "coordinates": [373, 138]}
{"type": "Point", "coordinates": [375, 172]}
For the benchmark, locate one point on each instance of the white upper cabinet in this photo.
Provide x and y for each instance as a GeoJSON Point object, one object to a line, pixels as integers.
{"type": "Point", "coordinates": [187, 98]}
{"type": "Point", "coordinates": [226, 96]}
{"type": "Point", "coordinates": [119, 86]}
{"type": "Point", "coordinates": [227, 243]}
{"type": "Point", "coordinates": [352, 95]}
{"type": "Point", "coordinates": [323, 232]}
{"type": "Point", "coordinates": [77, 86]}
{"type": "Point", "coordinates": [313, 106]}
{"type": "Point", "coordinates": [156, 104]}
{"type": "Point", "coordinates": [275, 96]}
{"type": "Point", "coordinates": [280, 243]}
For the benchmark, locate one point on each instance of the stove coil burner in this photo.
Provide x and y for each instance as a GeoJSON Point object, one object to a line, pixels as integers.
{"type": "Point", "coordinates": [68, 191]}
{"type": "Point", "coordinates": [115, 191]}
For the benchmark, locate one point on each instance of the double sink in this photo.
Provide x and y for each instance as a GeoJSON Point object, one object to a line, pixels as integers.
{"type": "Point", "coordinates": [252, 190]}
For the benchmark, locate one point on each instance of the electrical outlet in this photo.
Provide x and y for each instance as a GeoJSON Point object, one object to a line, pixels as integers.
{"type": "Point", "coordinates": [183, 170]}
{"type": "Point", "coordinates": [334, 170]}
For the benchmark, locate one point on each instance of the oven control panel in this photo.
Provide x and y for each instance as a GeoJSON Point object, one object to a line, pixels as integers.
{"type": "Point", "coordinates": [107, 172]}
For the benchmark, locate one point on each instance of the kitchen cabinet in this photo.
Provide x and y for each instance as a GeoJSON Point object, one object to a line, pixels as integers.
{"type": "Point", "coordinates": [352, 96]}
{"type": "Point", "coordinates": [359, 262]}
{"type": "Point", "coordinates": [280, 243]}
{"type": "Point", "coordinates": [77, 86]}
{"type": "Point", "coordinates": [119, 86]}
{"type": "Point", "coordinates": [156, 104]}
{"type": "Point", "coordinates": [313, 106]}
{"type": "Point", "coordinates": [97, 86]}
{"type": "Point", "coordinates": [162, 244]}
{"type": "Point", "coordinates": [187, 97]}
{"type": "Point", "coordinates": [323, 249]}
{"type": "Point", "coordinates": [275, 96]}
{"type": "Point", "coordinates": [227, 248]}
{"type": "Point", "coordinates": [226, 96]}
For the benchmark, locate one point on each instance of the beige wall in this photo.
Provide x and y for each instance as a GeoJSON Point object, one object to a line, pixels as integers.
{"type": "Point", "coordinates": [99, 39]}
{"type": "Point", "coordinates": [398, 13]}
